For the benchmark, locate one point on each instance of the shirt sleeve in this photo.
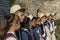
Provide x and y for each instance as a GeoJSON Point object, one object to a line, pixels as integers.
{"type": "Point", "coordinates": [11, 38]}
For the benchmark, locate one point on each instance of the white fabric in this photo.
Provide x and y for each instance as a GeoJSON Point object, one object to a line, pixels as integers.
{"type": "Point", "coordinates": [53, 36]}
{"type": "Point", "coordinates": [30, 16]}
{"type": "Point", "coordinates": [44, 35]}
{"type": "Point", "coordinates": [48, 33]}
{"type": "Point", "coordinates": [47, 38]}
{"type": "Point", "coordinates": [15, 8]}
{"type": "Point", "coordinates": [52, 13]}
{"type": "Point", "coordinates": [11, 38]}
{"type": "Point", "coordinates": [11, 32]}
{"type": "Point", "coordinates": [51, 28]}
{"type": "Point", "coordinates": [41, 15]}
{"type": "Point", "coordinates": [37, 31]}
{"type": "Point", "coordinates": [55, 27]}
{"type": "Point", "coordinates": [25, 29]}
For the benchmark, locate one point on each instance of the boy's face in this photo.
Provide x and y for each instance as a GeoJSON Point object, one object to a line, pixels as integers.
{"type": "Point", "coordinates": [30, 24]}
{"type": "Point", "coordinates": [44, 19]}
{"type": "Point", "coordinates": [21, 15]}
{"type": "Point", "coordinates": [38, 21]}
{"type": "Point", "coordinates": [50, 17]}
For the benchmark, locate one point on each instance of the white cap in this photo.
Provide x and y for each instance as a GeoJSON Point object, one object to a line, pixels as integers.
{"type": "Point", "coordinates": [52, 13]}
{"type": "Point", "coordinates": [15, 8]}
{"type": "Point", "coordinates": [41, 15]}
{"type": "Point", "coordinates": [30, 16]}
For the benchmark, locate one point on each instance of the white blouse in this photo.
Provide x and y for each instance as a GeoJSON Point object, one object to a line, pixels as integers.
{"type": "Point", "coordinates": [11, 38]}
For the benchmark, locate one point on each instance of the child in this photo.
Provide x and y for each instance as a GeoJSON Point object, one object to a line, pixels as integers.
{"type": "Point", "coordinates": [45, 29]}
{"type": "Point", "coordinates": [36, 31]}
{"type": "Point", "coordinates": [11, 26]}
{"type": "Point", "coordinates": [24, 30]}
{"type": "Point", "coordinates": [19, 11]}
{"type": "Point", "coordinates": [52, 27]}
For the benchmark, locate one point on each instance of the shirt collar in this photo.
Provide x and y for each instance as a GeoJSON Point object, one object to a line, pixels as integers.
{"type": "Point", "coordinates": [11, 32]}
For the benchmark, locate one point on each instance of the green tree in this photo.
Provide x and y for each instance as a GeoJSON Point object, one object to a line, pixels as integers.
{"type": "Point", "coordinates": [12, 2]}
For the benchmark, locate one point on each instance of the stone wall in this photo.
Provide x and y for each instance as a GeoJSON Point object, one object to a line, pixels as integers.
{"type": "Point", "coordinates": [52, 7]}
{"type": "Point", "coordinates": [31, 6]}
{"type": "Point", "coordinates": [44, 6]}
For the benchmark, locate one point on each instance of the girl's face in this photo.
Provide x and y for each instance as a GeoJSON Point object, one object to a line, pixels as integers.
{"type": "Point", "coordinates": [32, 23]}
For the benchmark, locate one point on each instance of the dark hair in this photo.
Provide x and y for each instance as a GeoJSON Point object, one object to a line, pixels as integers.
{"type": "Point", "coordinates": [21, 10]}
{"type": "Point", "coordinates": [44, 16]}
{"type": "Point", "coordinates": [38, 18]}
{"type": "Point", "coordinates": [25, 23]}
{"type": "Point", "coordinates": [9, 19]}
{"type": "Point", "coordinates": [50, 15]}
{"type": "Point", "coordinates": [55, 14]}
{"type": "Point", "coordinates": [34, 18]}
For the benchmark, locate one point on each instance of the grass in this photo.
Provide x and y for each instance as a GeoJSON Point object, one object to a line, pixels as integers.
{"type": "Point", "coordinates": [58, 29]}
{"type": "Point", "coordinates": [58, 33]}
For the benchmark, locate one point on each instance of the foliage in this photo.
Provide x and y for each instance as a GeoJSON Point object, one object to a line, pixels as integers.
{"type": "Point", "coordinates": [58, 29]}
{"type": "Point", "coordinates": [11, 2]}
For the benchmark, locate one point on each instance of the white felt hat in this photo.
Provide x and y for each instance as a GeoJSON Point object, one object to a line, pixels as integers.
{"type": "Point", "coordinates": [52, 13]}
{"type": "Point", "coordinates": [30, 16]}
{"type": "Point", "coordinates": [47, 14]}
{"type": "Point", "coordinates": [14, 8]}
{"type": "Point", "coordinates": [41, 15]}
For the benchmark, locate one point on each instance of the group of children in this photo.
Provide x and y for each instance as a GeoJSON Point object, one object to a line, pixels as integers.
{"type": "Point", "coordinates": [16, 26]}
